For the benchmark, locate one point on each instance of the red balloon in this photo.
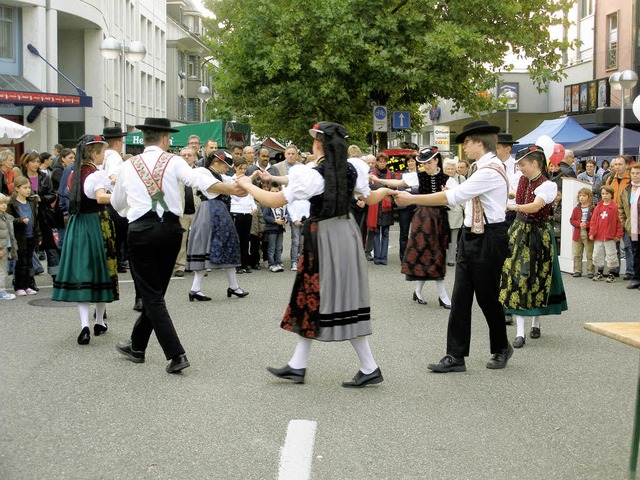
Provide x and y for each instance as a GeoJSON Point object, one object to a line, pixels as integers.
{"type": "Point", "coordinates": [557, 155]}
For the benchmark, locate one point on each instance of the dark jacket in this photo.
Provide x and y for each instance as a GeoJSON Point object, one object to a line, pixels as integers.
{"type": "Point", "coordinates": [6, 233]}
{"type": "Point", "coordinates": [624, 209]}
{"type": "Point", "coordinates": [19, 226]}
{"type": "Point", "coordinates": [270, 225]}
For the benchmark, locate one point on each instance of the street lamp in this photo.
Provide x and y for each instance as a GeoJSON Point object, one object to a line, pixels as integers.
{"type": "Point", "coordinates": [111, 49]}
{"type": "Point", "coordinates": [204, 94]}
{"type": "Point", "coordinates": [621, 81]}
{"type": "Point", "coordinates": [511, 98]}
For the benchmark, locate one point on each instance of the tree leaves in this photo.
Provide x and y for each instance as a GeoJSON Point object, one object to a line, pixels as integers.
{"type": "Point", "coordinates": [285, 65]}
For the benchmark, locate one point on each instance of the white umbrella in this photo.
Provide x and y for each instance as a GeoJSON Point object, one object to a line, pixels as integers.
{"type": "Point", "coordinates": [13, 132]}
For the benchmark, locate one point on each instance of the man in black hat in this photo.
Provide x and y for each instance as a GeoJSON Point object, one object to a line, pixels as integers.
{"type": "Point", "coordinates": [149, 191]}
{"type": "Point", "coordinates": [484, 245]}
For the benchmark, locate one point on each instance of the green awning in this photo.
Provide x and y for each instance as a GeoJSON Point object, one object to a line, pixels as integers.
{"type": "Point", "coordinates": [227, 134]}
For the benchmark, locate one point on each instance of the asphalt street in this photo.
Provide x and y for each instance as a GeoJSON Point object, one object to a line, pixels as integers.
{"type": "Point", "coordinates": [562, 409]}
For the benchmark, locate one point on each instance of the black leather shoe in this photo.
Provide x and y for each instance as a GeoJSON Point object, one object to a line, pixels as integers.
{"type": "Point", "coordinates": [288, 373]}
{"type": "Point", "coordinates": [178, 273]}
{"type": "Point", "coordinates": [100, 329]}
{"type": "Point", "coordinates": [238, 292]}
{"type": "Point", "coordinates": [577, 275]}
{"type": "Point", "coordinates": [137, 306]}
{"type": "Point", "coordinates": [449, 363]}
{"type": "Point", "coordinates": [627, 277]}
{"type": "Point", "coordinates": [178, 364]}
{"type": "Point", "coordinates": [256, 267]}
{"type": "Point", "coordinates": [508, 319]}
{"type": "Point", "coordinates": [446, 306]}
{"type": "Point", "coordinates": [535, 332]}
{"type": "Point", "coordinates": [134, 355]}
{"type": "Point", "coordinates": [198, 296]}
{"type": "Point", "coordinates": [419, 300]}
{"type": "Point", "coordinates": [633, 284]}
{"type": "Point", "coordinates": [518, 342]}
{"type": "Point", "coordinates": [362, 380]}
{"type": "Point", "coordinates": [122, 268]}
{"type": "Point", "coordinates": [500, 359]}
{"type": "Point", "coordinates": [84, 337]}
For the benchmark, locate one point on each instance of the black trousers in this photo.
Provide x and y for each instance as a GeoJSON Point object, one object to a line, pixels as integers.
{"type": "Point", "coordinates": [242, 222]}
{"type": "Point", "coordinates": [154, 244]}
{"type": "Point", "coordinates": [478, 270]}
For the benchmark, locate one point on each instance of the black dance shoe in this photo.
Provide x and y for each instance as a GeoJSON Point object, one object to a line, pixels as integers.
{"type": "Point", "coordinates": [419, 300]}
{"type": "Point", "coordinates": [518, 342]}
{"type": "Point", "coordinates": [100, 329]}
{"type": "Point", "coordinates": [238, 292]}
{"type": "Point", "coordinates": [362, 380]}
{"type": "Point", "coordinates": [84, 337]}
{"type": "Point", "coordinates": [446, 306]}
{"type": "Point", "coordinates": [134, 355]}
{"type": "Point", "coordinates": [178, 364]}
{"type": "Point", "coordinates": [449, 363]}
{"type": "Point", "coordinates": [198, 296]}
{"type": "Point", "coordinates": [294, 374]}
{"type": "Point", "coordinates": [500, 359]}
{"type": "Point", "coordinates": [535, 332]}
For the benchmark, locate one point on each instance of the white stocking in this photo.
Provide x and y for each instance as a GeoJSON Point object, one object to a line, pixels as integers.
{"type": "Point", "coordinates": [100, 309]}
{"type": "Point", "coordinates": [519, 325]}
{"type": "Point", "coordinates": [231, 278]}
{"type": "Point", "coordinates": [197, 281]}
{"type": "Point", "coordinates": [419, 285]}
{"type": "Point", "coordinates": [362, 348]}
{"type": "Point", "coordinates": [443, 293]}
{"type": "Point", "coordinates": [83, 310]}
{"type": "Point", "coordinates": [301, 353]}
{"type": "Point", "coordinates": [535, 322]}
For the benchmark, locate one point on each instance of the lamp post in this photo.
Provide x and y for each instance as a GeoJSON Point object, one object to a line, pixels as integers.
{"type": "Point", "coordinates": [111, 49]}
{"type": "Point", "coordinates": [621, 81]}
{"type": "Point", "coordinates": [204, 94]}
{"type": "Point", "coordinates": [511, 98]}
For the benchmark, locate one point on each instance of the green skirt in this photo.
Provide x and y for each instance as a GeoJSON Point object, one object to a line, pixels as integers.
{"type": "Point", "coordinates": [531, 282]}
{"type": "Point", "coordinates": [88, 262]}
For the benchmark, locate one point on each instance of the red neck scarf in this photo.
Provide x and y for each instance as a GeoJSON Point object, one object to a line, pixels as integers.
{"type": "Point", "coordinates": [372, 215]}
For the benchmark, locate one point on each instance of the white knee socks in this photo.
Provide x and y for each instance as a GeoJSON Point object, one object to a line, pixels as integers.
{"type": "Point", "coordinates": [519, 325]}
{"type": "Point", "coordinates": [83, 310]}
{"type": "Point", "coordinates": [197, 281]}
{"type": "Point", "coordinates": [419, 285]}
{"type": "Point", "coordinates": [442, 292]}
{"type": "Point", "coordinates": [100, 309]}
{"type": "Point", "coordinates": [362, 348]}
{"type": "Point", "coordinates": [300, 356]}
{"type": "Point", "coordinates": [231, 278]}
{"type": "Point", "coordinates": [535, 322]}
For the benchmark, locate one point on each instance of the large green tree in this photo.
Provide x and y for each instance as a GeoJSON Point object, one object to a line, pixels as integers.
{"type": "Point", "coordinates": [285, 64]}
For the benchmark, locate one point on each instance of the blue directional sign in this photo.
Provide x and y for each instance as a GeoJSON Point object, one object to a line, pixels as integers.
{"type": "Point", "coordinates": [401, 120]}
{"type": "Point", "coordinates": [380, 118]}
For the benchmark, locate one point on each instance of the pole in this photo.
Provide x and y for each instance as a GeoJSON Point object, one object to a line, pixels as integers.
{"type": "Point", "coordinates": [123, 99]}
{"type": "Point", "coordinates": [621, 121]}
{"type": "Point", "coordinates": [507, 110]}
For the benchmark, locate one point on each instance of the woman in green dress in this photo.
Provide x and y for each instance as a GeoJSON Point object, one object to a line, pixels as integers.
{"type": "Point", "coordinates": [88, 266]}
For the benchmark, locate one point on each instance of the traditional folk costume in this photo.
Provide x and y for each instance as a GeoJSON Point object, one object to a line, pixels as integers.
{"type": "Point", "coordinates": [531, 283]}
{"type": "Point", "coordinates": [88, 264]}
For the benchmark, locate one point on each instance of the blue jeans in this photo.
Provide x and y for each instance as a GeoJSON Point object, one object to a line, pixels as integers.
{"type": "Point", "coordinates": [296, 242]}
{"type": "Point", "coordinates": [380, 245]}
{"type": "Point", "coordinates": [274, 249]}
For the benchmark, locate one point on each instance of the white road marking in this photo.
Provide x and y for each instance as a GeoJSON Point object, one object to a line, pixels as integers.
{"type": "Point", "coordinates": [297, 454]}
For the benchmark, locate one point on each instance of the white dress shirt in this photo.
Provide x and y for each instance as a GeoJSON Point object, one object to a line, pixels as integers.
{"type": "Point", "coordinates": [305, 183]}
{"type": "Point", "coordinates": [131, 198]}
{"type": "Point", "coordinates": [488, 185]}
{"type": "Point", "coordinates": [112, 162]}
{"type": "Point", "coordinates": [95, 181]}
{"type": "Point", "coordinates": [245, 204]}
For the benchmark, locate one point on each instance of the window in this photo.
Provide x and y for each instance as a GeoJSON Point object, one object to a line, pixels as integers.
{"type": "Point", "coordinates": [586, 8]}
{"type": "Point", "coordinates": [192, 109]}
{"type": "Point", "coordinates": [612, 41]}
{"type": "Point", "coordinates": [7, 33]}
{"type": "Point", "coordinates": [192, 68]}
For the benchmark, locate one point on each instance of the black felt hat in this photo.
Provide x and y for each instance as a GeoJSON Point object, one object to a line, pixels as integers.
{"type": "Point", "coordinates": [112, 132]}
{"type": "Point", "coordinates": [158, 124]}
{"type": "Point", "coordinates": [479, 126]}
{"type": "Point", "coordinates": [506, 139]}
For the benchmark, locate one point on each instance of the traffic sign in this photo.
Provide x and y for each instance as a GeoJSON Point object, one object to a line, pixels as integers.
{"type": "Point", "coordinates": [401, 120]}
{"type": "Point", "coordinates": [380, 118]}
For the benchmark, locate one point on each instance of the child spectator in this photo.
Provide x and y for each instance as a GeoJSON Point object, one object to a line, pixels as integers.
{"type": "Point", "coordinates": [605, 230]}
{"type": "Point", "coordinates": [242, 211]}
{"type": "Point", "coordinates": [581, 219]}
{"type": "Point", "coordinates": [274, 220]}
{"type": "Point", "coordinates": [7, 246]}
{"type": "Point", "coordinates": [23, 208]}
